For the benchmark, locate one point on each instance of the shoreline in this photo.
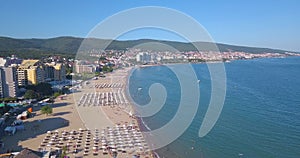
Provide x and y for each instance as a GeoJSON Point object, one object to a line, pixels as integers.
{"type": "Point", "coordinates": [213, 62]}
{"type": "Point", "coordinates": [116, 113]}
{"type": "Point", "coordinates": [139, 120]}
{"type": "Point", "coordinates": [141, 124]}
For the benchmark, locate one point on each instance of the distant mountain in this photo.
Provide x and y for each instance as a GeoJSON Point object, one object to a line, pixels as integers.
{"type": "Point", "coordinates": [68, 46]}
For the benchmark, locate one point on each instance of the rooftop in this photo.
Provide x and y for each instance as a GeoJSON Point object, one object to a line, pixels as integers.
{"type": "Point", "coordinates": [28, 153]}
{"type": "Point", "coordinates": [28, 63]}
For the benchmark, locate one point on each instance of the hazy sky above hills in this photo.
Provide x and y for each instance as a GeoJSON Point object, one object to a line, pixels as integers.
{"type": "Point", "coordinates": [263, 23]}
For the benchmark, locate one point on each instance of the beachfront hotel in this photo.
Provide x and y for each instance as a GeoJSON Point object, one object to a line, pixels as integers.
{"type": "Point", "coordinates": [30, 72]}
{"type": "Point", "coordinates": [55, 71]}
{"type": "Point", "coordinates": [81, 67]}
{"type": "Point", "coordinates": [8, 82]}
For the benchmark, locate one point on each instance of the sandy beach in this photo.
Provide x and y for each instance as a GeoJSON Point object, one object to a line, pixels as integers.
{"type": "Point", "coordinates": [112, 112]}
{"type": "Point", "coordinates": [68, 115]}
{"type": "Point", "coordinates": [64, 117]}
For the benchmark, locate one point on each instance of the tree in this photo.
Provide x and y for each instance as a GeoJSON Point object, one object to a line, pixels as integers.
{"type": "Point", "coordinates": [107, 69]}
{"type": "Point", "coordinates": [43, 88]}
{"type": "Point", "coordinates": [30, 94]}
{"type": "Point", "coordinates": [9, 99]}
{"type": "Point", "coordinates": [46, 110]}
{"type": "Point", "coordinates": [64, 152]}
{"type": "Point", "coordinates": [69, 70]}
{"type": "Point", "coordinates": [56, 94]}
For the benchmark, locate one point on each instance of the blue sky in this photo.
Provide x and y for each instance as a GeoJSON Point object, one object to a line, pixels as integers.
{"type": "Point", "coordinates": [263, 23]}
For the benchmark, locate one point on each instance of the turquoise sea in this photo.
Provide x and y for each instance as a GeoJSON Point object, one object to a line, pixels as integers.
{"type": "Point", "coordinates": [260, 117]}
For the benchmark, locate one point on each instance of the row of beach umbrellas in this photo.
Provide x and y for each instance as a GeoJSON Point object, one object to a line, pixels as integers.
{"type": "Point", "coordinates": [109, 85]}
{"type": "Point", "coordinates": [103, 99]}
{"type": "Point", "coordinates": [110, 140]}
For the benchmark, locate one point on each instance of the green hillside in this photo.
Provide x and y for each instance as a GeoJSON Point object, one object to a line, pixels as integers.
{"type": "Point", "coordinates": [68, 46]}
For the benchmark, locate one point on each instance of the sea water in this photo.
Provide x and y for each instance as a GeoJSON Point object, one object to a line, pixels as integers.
{"type": "Point", "coordinates": [260, 117]}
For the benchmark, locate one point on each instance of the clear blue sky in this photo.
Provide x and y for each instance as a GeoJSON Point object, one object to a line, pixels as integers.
{"type": "Point", "coordinates": [263, 23]}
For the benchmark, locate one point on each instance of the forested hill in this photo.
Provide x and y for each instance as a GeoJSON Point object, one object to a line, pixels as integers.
{"type": "Point", "coordinates": [68, 46]}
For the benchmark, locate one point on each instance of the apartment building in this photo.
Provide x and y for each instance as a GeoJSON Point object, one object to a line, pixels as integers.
{"type": "Point", "coordinates": [55, 71]}
{"type": "Point", "coordinates": [30, 72]}
{"type": "Point", "coordinates": [8, 83]}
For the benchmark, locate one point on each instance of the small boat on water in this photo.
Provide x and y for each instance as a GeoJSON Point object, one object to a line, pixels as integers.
{"type": "Point", "coordinates": [140, 88]}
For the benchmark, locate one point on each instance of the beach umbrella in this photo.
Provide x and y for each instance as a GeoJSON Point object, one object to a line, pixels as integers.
{"type": "Point", "coordinates": [95, 138]}
{"type": "Point", "coordinates": [124, 150]}
{"type": "Point", "coordinates": [139, 144]}
{"type": "Point", "coordinates": [105, 151]}
{"type": "Point", "coordinates": [46, 139]}
{"type": "Point", "coordinates": [95, 148]}
{"type": "Point", "coordinates": [112, 146]}
{"type": "Point", "coordinates": [42, 145]}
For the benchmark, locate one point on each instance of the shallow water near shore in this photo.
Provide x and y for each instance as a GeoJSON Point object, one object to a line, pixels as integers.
{"type": "Point", "coordinates": [260, 117]}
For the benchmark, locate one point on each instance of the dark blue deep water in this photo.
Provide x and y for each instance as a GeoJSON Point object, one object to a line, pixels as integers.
{"type": "Point", "coordinates": [260, 117]}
